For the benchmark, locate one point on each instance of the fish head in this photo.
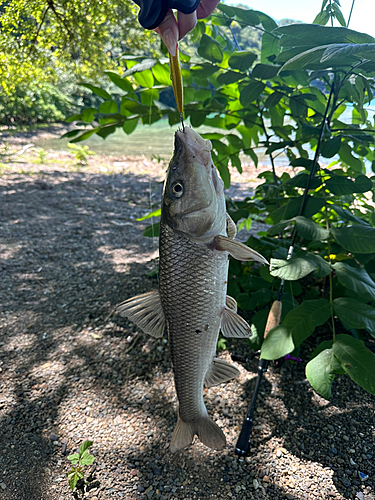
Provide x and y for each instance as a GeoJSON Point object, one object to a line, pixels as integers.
{"type": "Point", "coordinates": [193, 196]}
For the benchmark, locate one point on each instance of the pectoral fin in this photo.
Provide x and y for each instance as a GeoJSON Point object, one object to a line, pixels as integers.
{"type": "Point", "coordinates": [220, 372]}
{"type": "Point", "coordinates": [146, 312]}
{"type": "Point", "coordinates": [231, 303]}
{"type": "Point", "coordinates": [232, 325]}
{"type": "Point", "coordinates": [238, 250]}
{"type": "Point", "coordinates": [231, 227]}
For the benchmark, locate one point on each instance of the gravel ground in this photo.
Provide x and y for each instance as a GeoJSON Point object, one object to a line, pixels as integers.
{"type": "Point", "coordinates": [71, 369]}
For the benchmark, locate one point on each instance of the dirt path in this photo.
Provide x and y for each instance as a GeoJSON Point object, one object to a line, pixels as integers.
{"type": "Point", "coordinates": [70, 369]}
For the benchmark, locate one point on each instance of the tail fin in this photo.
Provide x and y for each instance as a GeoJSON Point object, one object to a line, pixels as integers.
{"type": "Point", "coordinates": [207, 431]}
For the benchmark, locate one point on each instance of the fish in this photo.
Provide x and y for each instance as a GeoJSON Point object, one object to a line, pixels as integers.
{"type": "Point", "coordinates": [196, 237]}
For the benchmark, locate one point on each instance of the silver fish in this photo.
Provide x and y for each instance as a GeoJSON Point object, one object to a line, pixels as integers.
{"type": "Point", "coordinates": [196, 237]}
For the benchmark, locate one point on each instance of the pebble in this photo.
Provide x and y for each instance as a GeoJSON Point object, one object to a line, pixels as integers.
{"type": "Point", "coordinates": [120, 394]}
{"type": "Point", "coordinates": [53, 437]}
{"type": "Point", "coordinates": [362, 476]}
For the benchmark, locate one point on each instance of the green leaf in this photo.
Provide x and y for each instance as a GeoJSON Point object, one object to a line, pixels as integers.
{"type": "Point", "coordinates": [346, 155]}
{"type": "Point", "coordinates": [152, 231]}
{"type": "Point", "coordinates": [356, 279]}
{"type": "Point", "coordinates": [144, 78]}
{"type": "Point", "coordinates": [338, 14]}
{"type": "Point", "coordinates": [73, 458]}
{"type": "Point", "coordinates": [230, 77]}
{"type": "Point", "coordinates": [251, 92]}
{"type": "Point", "coordinates": [357, 361]}
{"type": "Point", "coordinates": [130, 125]}
{"type": "Point", "coordinates": [342, 185]}
{"type": "Point", "coordinates": [108, 107]}
{"type": "Point", "coordinates": [322, 18]}
{"type": "Point", "coordinates": [72, 133]}
{"type": "Point", "coordinates": [104, 132]}
{"type": "Point", "coordinates": [346, 215]}
{"type": "Point", "coordinates": [270, 47]}
{"type": "Point", "coordinates": [121, 83]}
{"type": "Point", "coordinates": [356, 239]}
{"type": "Point", "coordinates": [279, 227]}
{"type": "Point", "coordinates": [265, 71]}
{"type": "Point", "coordinates": [320, 374]}
{"type": "Point", "coordinates": [155, 213]}
{"type": "Point", "coordinates": [162, 74]}
{"type": "Point", "coordinates": [311, 35]}
{"type": "Point", "coordinates": [144, 65]}
{"type": "Point", "coordinates": [323, 267]}
{"type": "Point", "coordinates": [242, 60]}
{"type": "Point", "coordinates": [309, 229]}
{"type": "Point", "coordinates": [273, 100]}
{"type": "Point", "coordinates": [297, 326]}
{"type": "Point", "coordinates": [293, 207]}
{"type": "Point", "coordinates": [341, 50]}
{"type": "Point", "coordinates": [363, 184]}
{"type": "Point", "coordinates": [355, 314]}
{"type": "Point", "coordinates": [87, 459]}
{"type": "Point", "coordinates": [331, 147]}
{"type": "Point", "coordinates": [97, 90]}
{"type": "Point", "coordinates": [88, 115]}
{"type": "Point", "coordinates": [73, 481]}
{"type": "Point", "coordinates": [85, 446]}
{"type": "Point", "coordinates": [292, 269]}
{"type": "Point", "coordinates": [84, 136]}
{"type": "Point", "coordinates": [210, 49]}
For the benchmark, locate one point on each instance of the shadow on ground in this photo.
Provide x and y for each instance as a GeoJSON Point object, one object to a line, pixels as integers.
{"type": "Point", "coordinates": [71, 250]}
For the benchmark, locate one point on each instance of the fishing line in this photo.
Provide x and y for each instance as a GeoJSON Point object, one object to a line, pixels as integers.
{"type": "Point", "coordinates": [154, 245]}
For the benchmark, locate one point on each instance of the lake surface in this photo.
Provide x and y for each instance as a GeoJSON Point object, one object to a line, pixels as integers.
{"type": "Point", "coordinates": [156, 141]}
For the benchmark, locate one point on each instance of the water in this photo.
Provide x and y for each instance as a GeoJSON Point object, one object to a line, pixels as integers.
{"type": "Point", "coordinates": [154, 140]}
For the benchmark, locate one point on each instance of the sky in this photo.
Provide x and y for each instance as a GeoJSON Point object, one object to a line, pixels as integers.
{"type": "Point", "coordinates": [362, 19]}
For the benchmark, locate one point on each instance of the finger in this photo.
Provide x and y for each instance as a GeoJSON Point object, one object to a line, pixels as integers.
{"type": "Point", "coordinates": [206, 7]}
{"type": "Point", "coordinates": [186, 22]}
{"type": "Point", "coordinates": [168, 30]}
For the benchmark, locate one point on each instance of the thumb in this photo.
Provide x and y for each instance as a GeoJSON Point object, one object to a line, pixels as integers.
{"type": "Point", "coordinates": [168, 30]}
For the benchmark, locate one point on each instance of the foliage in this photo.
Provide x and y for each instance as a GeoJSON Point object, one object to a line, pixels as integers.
{"type": "Point", "coordinates": [81, 153]}
{"type": "Point", "coordinates": [78, 461]}
{"type": "Point", "coordinates": [83, 37]}
{"type": "Point", "coordinates": [34, 102]}
{"type": "Point", "coordinates": [305, 99]}
{"type": "Point", "coordinates": [48, 46]}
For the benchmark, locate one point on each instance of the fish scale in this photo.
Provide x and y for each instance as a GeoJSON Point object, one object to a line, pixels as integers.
{"type": "Point", "coordinates": [192, 337]}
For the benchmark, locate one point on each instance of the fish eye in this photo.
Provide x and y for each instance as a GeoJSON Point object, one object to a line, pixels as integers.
{"type": "Point", "coordinates": [177, 189]}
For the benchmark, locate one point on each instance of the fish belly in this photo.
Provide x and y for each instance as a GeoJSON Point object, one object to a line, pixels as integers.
{"type": "Point", "coordinates": [192, 284]}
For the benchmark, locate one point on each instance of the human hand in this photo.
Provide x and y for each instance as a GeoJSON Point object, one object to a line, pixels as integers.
{"type": "Point", "coordinates": [171, 29]}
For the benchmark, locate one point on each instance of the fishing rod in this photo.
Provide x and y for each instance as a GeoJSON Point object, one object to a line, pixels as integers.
{"type": "Point", "coordinates": [273, 320]}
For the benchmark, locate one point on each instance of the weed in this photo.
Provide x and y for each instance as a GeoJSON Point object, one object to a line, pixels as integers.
{"type": "Point", "coordinates": [81, 153]}
{"type": "Point", "coordinates": [42, 155]}
{"type": "Point", "coordinates": [76, 475]}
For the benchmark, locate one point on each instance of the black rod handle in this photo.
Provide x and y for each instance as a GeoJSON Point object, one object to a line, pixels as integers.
{"type": "Point", "coordinates": [242, 445]}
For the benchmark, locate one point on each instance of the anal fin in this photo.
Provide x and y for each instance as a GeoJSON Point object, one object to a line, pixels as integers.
{"type": "Point", "coordinates": [232, 325]}
{"type": "Point", "coordinates": [220, 372]}
{"type": "Point", "coordinates": [146, 312]}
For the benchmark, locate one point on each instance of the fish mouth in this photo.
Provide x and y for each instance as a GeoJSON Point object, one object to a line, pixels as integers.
{"type": "Point", "coordinates": [189, 142]}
